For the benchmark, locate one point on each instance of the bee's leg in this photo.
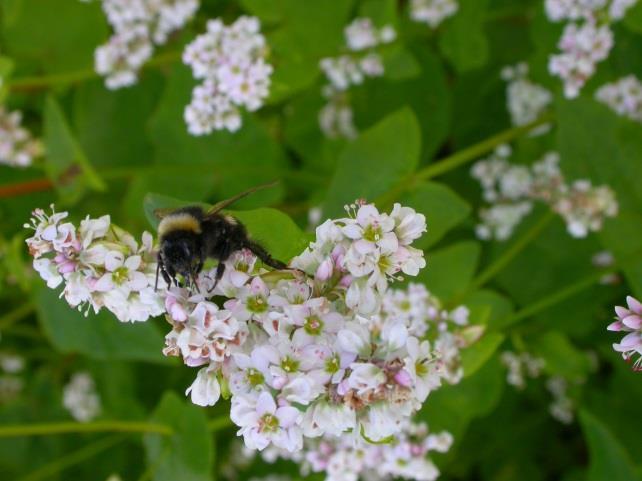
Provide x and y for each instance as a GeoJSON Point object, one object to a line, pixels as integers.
{"type": "Point", "coordinates": [259, 251]}
{"type": "Point", "coordinates": [158, 266]}
{"type": "Point", "coordinates": [161, 267]}
{"type": "Point", "coordinates": [220, 270]}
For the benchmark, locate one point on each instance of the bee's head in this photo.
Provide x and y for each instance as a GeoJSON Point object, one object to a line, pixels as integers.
{"type": "Point", "coordinates": [181, 255]}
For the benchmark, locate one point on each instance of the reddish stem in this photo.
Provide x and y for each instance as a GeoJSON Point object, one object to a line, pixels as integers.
{"type": "Point", "coordinates": [22, 188]}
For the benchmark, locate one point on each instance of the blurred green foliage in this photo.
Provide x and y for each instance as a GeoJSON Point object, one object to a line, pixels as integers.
{"type": "Point", "coordinates": [441, 93]}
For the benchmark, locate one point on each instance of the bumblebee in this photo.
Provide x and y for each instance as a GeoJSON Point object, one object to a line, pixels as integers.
{"type": "Point", "coordinates": [191, 235]}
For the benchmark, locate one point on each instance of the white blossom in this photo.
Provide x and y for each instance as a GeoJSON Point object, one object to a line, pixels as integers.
{"type": "Point", "coordinates": [511, 190]}
{"type": "Point", "coordinates": [520, 366]}
{"type": "Point", "coordinates": [99, 264]}
{"type": "Point", "coordinates": [80, 397]}
{"type": "Point", "coordinates": [325, 350]}
{"type": "Point", "coordinates": [406, 456]}
{"type": "Point", "coordinates": [525, 100]}
{"type": "Point", "coordinates": [18, 148]}
{"type": "Point", "coordinates": [432, 12]}
{"type": "Point", "coordinates": [587, 38]}
{"type": "Point", "coordinates": [138, 26]}
{"type": "Point", "coordinates": [231, 61]}
{"type": "Point", "coordinates": [623, 96]}
{"type": "Point", "coordinates": [342, 72]}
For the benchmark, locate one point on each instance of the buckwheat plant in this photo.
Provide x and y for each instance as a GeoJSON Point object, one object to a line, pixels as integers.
{"type": "Point", "coordinates": [623, 96]}
{"type": "Point", "coordinates": [18, 148]}
{"type": "Point", "coordinates": [587, 38]}
{"type": "Point", "coordinates": [511, 189]}
{"type": "Point", "coordinates": [629, 320]}
{"type": "Point", "coordinates": [138, 26]}
{"type": "Point", "coordinates": [327, 350]}
{"type": "Point", "coordinates": [80, 397]}
{"type": "Point", "coordinates": [231, 62]}
{"type": "Point", "coordinates": [341, 458]}
{"type": "Point", "coordinates": [360, 62]}
{"type": "Point", "coordinates": [99, 264]}
{"type": "Point", "coordinates": [432, 12]}
{"type": "Point", "coordinates": [525, 100]}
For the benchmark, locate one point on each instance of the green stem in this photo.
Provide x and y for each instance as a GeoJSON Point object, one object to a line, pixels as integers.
{"type": "Point", "coordinates": [458, 159]}
{"type": "Point", "coordinates": [94, 427]}
{"type": "Point", "coordinates": [219, 424]}
{"type": "Point", "coordinates": [46, 81]}
{"type": "Point", "coordinates": [475, 151]}
{"type": "Point", "coordinates": [73, 458]}
{"type": "Point", "coordinates": [509, 254]}
{"type": "Point", "coordinates": [556, 298]}
{"type": "Point", "coordinates": [16, 315]}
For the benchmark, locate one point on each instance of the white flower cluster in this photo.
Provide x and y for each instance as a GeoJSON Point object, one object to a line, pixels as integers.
{"type": "Point", "coordinates": [525, 100]}
{"type": "Point", "coordinates": [623, 96]}
{"type": "Point", "coordinates": [562, 407]}
{"type": "Point", "coordinates": [587, 38]}
{"type": "Point", "coordinates": [432, 12]}
{"type": "Point", "coordinates": [352, 68]}
{"type": "Point", "coordinates": [511, 189]}
{"type": "Point", "coordinates": [138, 25]}
{"type": "Point", "coordinates": [11, 382]}
{"type": "Point", "coordinates": [328, 350]}
{"type": "Point", "coordinates": [17, 146]}
{"type": "Point", "coordinates": [80, 397]}
{"type": "Point", "coordinates": [524, 365]}
{"type": "Point", "coordinates": [520, 366]}
{"type": "Point", "coordinates": [231, 61]}
{"type": "Point", "coordinates": [100, 264]}
{"type": "Point", "coordinates": [341, 458]}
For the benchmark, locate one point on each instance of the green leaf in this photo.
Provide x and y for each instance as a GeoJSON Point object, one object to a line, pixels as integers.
{"type": "Point", "coordinates": [427, 94]}
{"type": "Point", "coordinates": [463, 41]}
{"type": "Point", "coordinates": [6, 69]}
{"type": "Point", "coordinates": [608, 458]}
{"type": "Point", "coordinates": [121, 139]}
{"type": "Point", "coordinates": [622, 237]}
{"type": "Point", "coordinates": [561, 356]}
{"type": "Point", "coordinates": [194, 167]}
{"type": "Point", "coordinates": [500, 307]}
{"type": "Point", "coordinates": [443, 209]}
{"type": "Point", "coordinates": [400, 64]}
{"type": "Point", "coordinates": [54, 35]}
{"type": "Point", "coordinates": [372, 164]}
{"type": "Point", "coordinates": [65, 158]}
{"type": "Point", "coordinates": [449, 270]}
{"type": "Point", "coordinates": [633, 18]}
{"type": "Point", "coordinates": [273, 229]}
{"type": "Point", "coordinates": [306, 32]}
{"type": "Point", "coordinates": [187, 454]}
{"type": "Point", "coordinates": [452, 407]}
{"type": "Point", "coordinates": [475, 356]}
{"type": "Point", "coordinates": [98, 336]}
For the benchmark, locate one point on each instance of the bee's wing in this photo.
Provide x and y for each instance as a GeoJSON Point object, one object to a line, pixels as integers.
{"type": "Point", "coordinates": [219, 206]}
{"type": "Point", "coordinates": [160, 213]}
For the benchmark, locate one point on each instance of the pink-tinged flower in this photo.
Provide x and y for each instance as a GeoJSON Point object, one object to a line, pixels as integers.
{"type": "Point", "coordinates": [630, 321]}
{"type": "Point", "coordinates": [209, 335]}
{"type": "Point", "coordinates": [262, 423]}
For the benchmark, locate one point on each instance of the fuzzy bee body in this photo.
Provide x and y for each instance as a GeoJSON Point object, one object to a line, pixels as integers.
{"type": "Point", "coordinates": [190, 235]}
